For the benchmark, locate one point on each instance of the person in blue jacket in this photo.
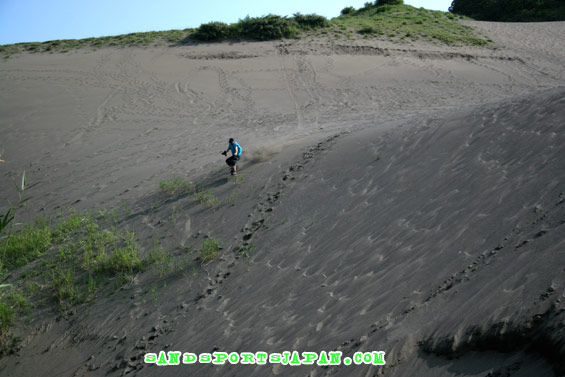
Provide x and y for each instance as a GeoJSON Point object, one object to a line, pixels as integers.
{"type": "Point", "coordinates": [235, 149]}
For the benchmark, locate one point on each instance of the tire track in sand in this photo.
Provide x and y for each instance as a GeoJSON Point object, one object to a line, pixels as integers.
{"type": "Point", "coordinates": [291, 92]}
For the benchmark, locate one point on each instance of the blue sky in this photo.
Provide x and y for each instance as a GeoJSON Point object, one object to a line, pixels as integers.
{"type": "Point", "coordinates": [44, 20]}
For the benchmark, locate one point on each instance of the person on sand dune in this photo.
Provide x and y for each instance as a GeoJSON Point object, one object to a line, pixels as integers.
{"type": "Point", "coordinates": [235, 149]}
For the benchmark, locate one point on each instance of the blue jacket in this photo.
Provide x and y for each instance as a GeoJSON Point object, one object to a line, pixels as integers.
{"type": "Point", "coordinates": [232, 148]}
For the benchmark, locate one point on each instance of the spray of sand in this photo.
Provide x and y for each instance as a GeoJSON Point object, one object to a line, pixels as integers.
{"type": "Point", "coordinates": [262, 153]}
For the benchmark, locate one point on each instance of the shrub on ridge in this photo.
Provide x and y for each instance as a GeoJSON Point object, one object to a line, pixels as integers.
{"type": "Point", "coordinates": [310, 21]}
{"type": "Point", "coordinates": [212, 31]}
{"type": "Point", "coordinates": [389, 2]}
{"type": "Point", "coordinates": [267, 28]}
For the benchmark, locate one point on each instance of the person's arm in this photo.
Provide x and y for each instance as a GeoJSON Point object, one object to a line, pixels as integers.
{"type": "Point", "coordinates": [236, 152]}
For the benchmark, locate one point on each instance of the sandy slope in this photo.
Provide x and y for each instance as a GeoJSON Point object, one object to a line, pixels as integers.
{"type": "Point", "coordinates": [408, 199]}
{"type": "Point", "coordinates": [91, 124]}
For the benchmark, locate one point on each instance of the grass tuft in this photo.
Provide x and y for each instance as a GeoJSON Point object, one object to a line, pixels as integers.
{"type": "Point", "coordinates": [161, 259]}
{"type": "Point", "coordinates": [208, 199]}
{"type": "Point", "coordinates": [209, 251]}
{"type": "Point", "coordinates": [21, 248]}
{"type": "Point", "coordinates": [122, 260]}
{"type": "Point", "coordinates": [175, 185]}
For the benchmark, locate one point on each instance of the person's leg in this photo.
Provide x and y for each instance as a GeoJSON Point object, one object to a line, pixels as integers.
{"type": "Point", "coordinates": [230, 162]}
{"type": "Point", "coordinates": [235, 160]}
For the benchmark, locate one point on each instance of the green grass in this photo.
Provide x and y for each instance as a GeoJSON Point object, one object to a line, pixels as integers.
{"type": "Point", "coordinates": [74, 254]}
{"type": "Point", "coordinates": [95, 255]}
{"type": "Point", "coordinates": [404, 24]}
{"type": "Point", "coordinates": [13, 305]}
{"type": "Point", "coordinates": [175, 185]}
{"type": "Point", "coordinates": [208, 199]}
{"type": "Point", "coordinates": [64, 287]}
{"type": "Point", "coordinates": [21, 248]}
{"type": "Point", "coordinates": [245, 252]}
{"type": "Point", "coordinates": [78, 255]}
{"type": "Point", "coordinates": [179, 186]}
{"type": "Point", "coordinates": [160, 258]}
{"type": "Point", "coordinates": [69, 260]}
{"type": "Point", "coordinates": [209, 251]}
{"type": "Point", "coordinates": [70, 225]}
{"type": "Point", "coordinates": [239, 179]}
{"type": "Point", "coordinates": [122, 260]}
{"type": "Point", "coordinates": [6, 315]}
{"type": "Point", "coordinates": [231, 198]}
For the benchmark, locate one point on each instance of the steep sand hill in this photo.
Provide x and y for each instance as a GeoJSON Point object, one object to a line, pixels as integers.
{"type": "Point", "coordinates": [406, 199]}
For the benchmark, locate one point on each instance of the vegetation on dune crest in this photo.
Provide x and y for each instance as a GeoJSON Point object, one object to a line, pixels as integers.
{"type": "Point", "coordinates": [260, 28]}
{"type": "Point", "coordinates": [125, 40]}
{"type": "Point", "coordinates": [383, 19]}
{"type": "Point", "coordinates": [404, 24]}
{"type": "Point", "coordinates": [388, 2]}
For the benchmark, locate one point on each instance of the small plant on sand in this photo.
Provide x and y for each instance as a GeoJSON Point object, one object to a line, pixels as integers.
{"type": "Point", "coordinates": [245, 251]}
{"type": "Point", "coordinates": [69, 226]}
{"type": "Point", "coordinates": [18, 249]}
{"type": "Point", "coordinates": [231, 198]}
{"type": "Point", "coordinates": [64, 287]}
{"type": "Point", "coordinates": [6, 316]}
{"type": "Point", "coordinates": [6, 219]}
{"type": "Point", "coordinates": [12, 304]}
{"type": "Point", "coordinates": [154, 295]}
{"type": "Point", "coordinates": [209, 251]}
{"type": "Point", "coordinates": [175, 185]}
{"type": "Point", "coordinates": [239, 179]}
{"type": "Point", "coordinates": [127, 209]}
{"type": "Point", "coordinates": [160, 258]}
{"type": "Point", "coordinates": [125, 259]}
{"type": "Point", "coordinates": [108, 216]}
{"type": "Point", "coordinates": [208, 199]}
{"type": "Point", "coordinates": [10, 215]}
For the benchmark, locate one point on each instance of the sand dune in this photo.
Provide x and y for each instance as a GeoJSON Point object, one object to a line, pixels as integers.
{"type": "Point", "coordinates": [399, 198]}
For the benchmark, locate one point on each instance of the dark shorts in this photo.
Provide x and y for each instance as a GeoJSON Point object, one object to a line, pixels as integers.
{"type": "Point", "coordinates": [232, 160]}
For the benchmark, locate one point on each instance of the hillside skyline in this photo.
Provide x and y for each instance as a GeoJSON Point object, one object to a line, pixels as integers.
{"type": "Point", "coordinates": [37, 21]}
